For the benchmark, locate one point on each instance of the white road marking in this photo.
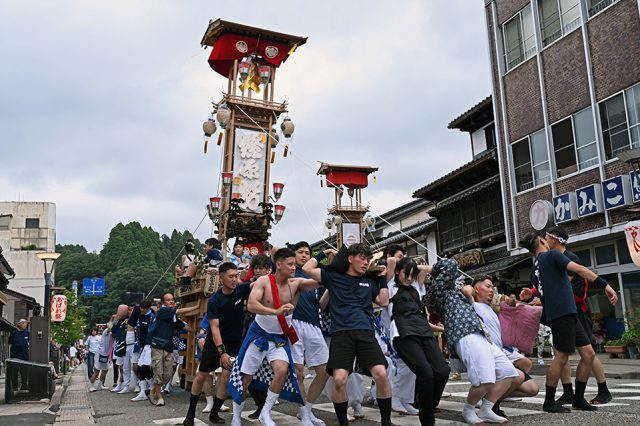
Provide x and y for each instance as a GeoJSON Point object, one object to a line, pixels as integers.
{"type": "Point", "coordinates": [373, 414]}
{"type": "Point", "coordinates": [178, 421]}
{"type": "Point", "coordinates": [511, 411]}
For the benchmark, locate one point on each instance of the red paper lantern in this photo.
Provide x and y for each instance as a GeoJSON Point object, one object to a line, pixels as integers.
{"type": "Point", "coordinates": [58, 308]}
{"type": "Point", "coordinates": [277, 190]}
{"type": "Point", "coordinates": [278, 212]}
{"type": "Point", "coordinates": [226, 179]}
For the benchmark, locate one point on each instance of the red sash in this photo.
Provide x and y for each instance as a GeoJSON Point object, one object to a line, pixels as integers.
{"type": "Point", "coordinates": [582, 301]}
{"type": "Point", "coordinates": [287, 330]}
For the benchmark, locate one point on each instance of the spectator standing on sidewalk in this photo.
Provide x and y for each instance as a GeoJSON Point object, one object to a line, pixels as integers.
{"type": "Point", "coordinates": [73, 356]}
{"type": "Point", "coordinates": [93, 346]}
{"type": "Point", "coordinates": [19, 341]}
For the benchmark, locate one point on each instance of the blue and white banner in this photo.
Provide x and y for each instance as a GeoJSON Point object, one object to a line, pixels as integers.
{"type": "Point", "coordinates": [564, 208]}
{"type": "Point", "coordinates": [616, 192]}
{"type": "Point", "coordinates": [589, 200]}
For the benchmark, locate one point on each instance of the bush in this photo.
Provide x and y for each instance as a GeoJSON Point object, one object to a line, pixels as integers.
{"type": "Point", "coordinates": [615, 343]}
{"type": "Point", "coordinates": [631, 337]}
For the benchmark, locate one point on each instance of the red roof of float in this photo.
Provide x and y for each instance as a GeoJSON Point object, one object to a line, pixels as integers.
{"type": "Point", "coordinates": [231, 41]}
{"type": "Point", "coordinates": [349, 176]}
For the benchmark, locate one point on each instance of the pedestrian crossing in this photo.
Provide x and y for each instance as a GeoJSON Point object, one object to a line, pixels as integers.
{"type": "Point", "coordinates": [623, 396]}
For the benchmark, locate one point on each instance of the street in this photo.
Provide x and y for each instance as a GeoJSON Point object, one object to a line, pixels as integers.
{"type": "Point", "coordinates": [113, 409]}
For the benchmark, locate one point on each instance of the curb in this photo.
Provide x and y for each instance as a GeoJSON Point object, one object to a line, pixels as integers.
{"type": "Point", "coordinates": [56, 399]}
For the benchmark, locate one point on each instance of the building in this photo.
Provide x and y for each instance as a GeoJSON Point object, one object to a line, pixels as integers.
{"type": "Point", "coordinates": [468, 204]}
{"type": "Point", "coordinates": [566, 90]}
{"type": "Point", "coordinates": [27, 228]}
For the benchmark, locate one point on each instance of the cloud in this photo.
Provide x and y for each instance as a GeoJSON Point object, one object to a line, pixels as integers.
{"type": "Point", "coordinates": [103, 103]}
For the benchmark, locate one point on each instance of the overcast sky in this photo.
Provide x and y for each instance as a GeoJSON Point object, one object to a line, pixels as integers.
{"type": "Point", "coordinates": [101, 105]}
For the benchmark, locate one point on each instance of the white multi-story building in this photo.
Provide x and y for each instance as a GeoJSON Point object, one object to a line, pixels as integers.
{"type": "Point", "coordinates": [27, 228]}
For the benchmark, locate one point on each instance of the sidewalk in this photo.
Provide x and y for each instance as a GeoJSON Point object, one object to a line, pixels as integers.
{"type": "Point", "coordinates": [75, 407]}
{"type": "Point", "coordinates": [614, 368]}
{"type": "Point", "coordinates": [26, 412]}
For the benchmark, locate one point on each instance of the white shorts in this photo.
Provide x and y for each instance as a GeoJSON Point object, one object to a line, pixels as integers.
{"type": "Point", "coordinates": [102, 366]}
{"type": "Point", "coordinates": [512, 355]}
{"type": "Point", "coordinates": [485, 362]}
{"type": "Point", "coordinates": [118, 360]}
{"type": "Point", "coordinates": [253, 357]}
{"type": "Point", "coordinates": [135, 357]}
{"type": "Point", "coordinates": [311, 346]}
{"type": "Point", "coordinates": [145, 356]}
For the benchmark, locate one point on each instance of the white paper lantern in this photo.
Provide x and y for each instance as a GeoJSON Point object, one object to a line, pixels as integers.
{"type": "Point", "coordinates": [58, 308]}
{"type": "Point", "coordinates": [632, 232]}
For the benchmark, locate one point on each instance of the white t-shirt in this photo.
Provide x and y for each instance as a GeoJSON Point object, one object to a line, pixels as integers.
{"type": "Point", "coordinates": [491, 321]}
{"type": "Point", "coordinates": [93, 342]}
{"type": "Point", "coordinates": [73, 352]}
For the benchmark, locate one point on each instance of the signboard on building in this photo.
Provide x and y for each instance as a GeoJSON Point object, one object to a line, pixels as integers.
{"type": "Point", "coordinates": [635, 186]}
{"type": "Point", "coordinates": [564, 208]}
{"type": "Point", "coordinates": [249, 165]}
{"type": "Point", "coordinates": [469, 258]}
{"type": "Point", "coordinates": [616, 192]}
{"type": "Point", "coordinates": [589, 200]}
{"type": "Point", "coordinates": [541, 214]}
{"type": "Point", "coordinates": [93, 287]}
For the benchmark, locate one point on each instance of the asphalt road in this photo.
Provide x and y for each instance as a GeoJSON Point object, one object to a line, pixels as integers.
{"type": "Point", "coordinates": [113, 409]}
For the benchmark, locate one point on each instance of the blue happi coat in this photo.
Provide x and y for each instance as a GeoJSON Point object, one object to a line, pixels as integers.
{"type": "Point", "coordinates": [263, 378]}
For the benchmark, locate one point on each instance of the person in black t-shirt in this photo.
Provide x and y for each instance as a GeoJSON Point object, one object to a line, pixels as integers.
{"type": "Point", "coordinates": [225, 311]}
{"type": "Point", "coordinates": [557, 239]}
{"type": "Point", "coordinates": [551, 280]}
{"type": "Point", "coordinates": [352, 331]}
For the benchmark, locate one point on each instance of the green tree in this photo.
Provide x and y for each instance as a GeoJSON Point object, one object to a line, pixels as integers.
{"type": "Point", "coordinates": [71, 329]}
{"type": "Point", "coordinates": [70, 248]}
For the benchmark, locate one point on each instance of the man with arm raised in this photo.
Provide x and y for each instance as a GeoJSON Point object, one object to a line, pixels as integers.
{"type": "Point", "coordinates": [352, 332]}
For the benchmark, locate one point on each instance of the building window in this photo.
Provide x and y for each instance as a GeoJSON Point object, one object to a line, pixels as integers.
{"type": "Point", "coordinates": [574, 143]}
{"type": "Point", "coordinates": [490, 136]}
{"type": "Point", "coordinates": [5, 222]}
{"type": "Point", "coordinates": [597, 6]}
{"type": "Point", "coordinates": [530, 161]}
{"type": "Point", "coordinates": [623, 252]}
{"type": "Point", "coordinates": [519, 38]}
{"type": "Point", "coordinates": [605, 255]}
{"type": "Point", "coordinates": [563, 147]}
{"type": "Point", "coordinates": [585, 257]}
{"type": "Point", "coordinates": [32, 223]}
{"type": "Point", "coordinates": [620, 117]}
{"type": "Point", "coordinates": [585, 134]}
{"type": "Point", "coordinates": [557, 18]}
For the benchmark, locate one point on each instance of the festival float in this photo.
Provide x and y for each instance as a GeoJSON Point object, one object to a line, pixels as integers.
{"type": "Point", "coordinates": [249, 125]}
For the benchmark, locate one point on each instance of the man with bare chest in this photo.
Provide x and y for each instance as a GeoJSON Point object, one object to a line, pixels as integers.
{"type": "Point", "coordinates": [273, 300]}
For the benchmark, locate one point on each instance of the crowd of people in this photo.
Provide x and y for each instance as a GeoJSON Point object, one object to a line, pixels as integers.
{"type": "Point", "coordinates": [356, 316]}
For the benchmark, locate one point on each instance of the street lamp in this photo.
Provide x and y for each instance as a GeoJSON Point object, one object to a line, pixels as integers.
{"type": "Point", "coordinates": [49, 259]}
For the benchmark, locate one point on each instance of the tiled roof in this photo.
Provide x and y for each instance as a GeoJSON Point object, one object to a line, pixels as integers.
{"type": "Point", "coordinates": [470, 191]}
{"type": "Point", "coordinates": [410, 231]}
{"type": "Point", "coordinates": [483, 110]}
{"type": "Point", "coordinates": [485, 158]}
